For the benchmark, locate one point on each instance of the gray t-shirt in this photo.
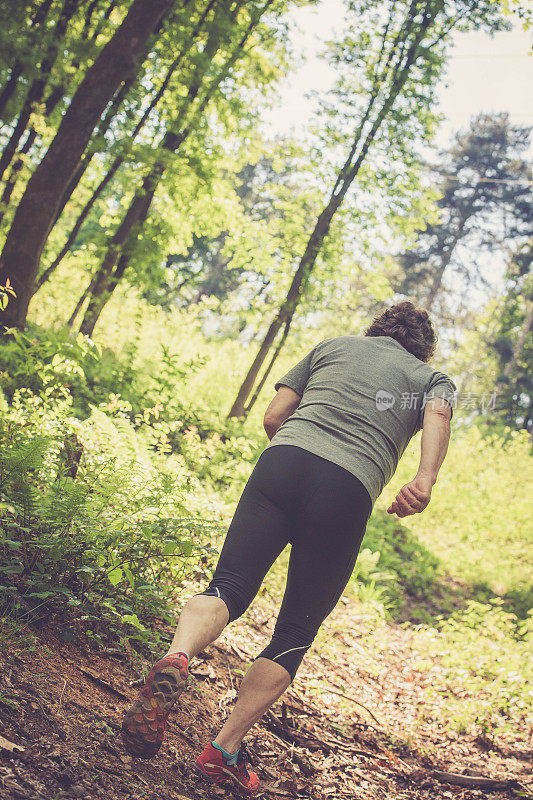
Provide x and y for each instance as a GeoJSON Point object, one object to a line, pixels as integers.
{"type": "Point", "coordinates": [362, 401]}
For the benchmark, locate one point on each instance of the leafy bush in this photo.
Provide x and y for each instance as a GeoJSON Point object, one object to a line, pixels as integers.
{"type": "Point", "coordinates": [481, 668]}
{"type": "Point", "coordinates": [155, 401]}
{"type": "Point", "coordinates": [395, 567]}
{"type": "Point", "coordinates": [85, 525]}
{"type": "Point", "coordinates": [477, 524]}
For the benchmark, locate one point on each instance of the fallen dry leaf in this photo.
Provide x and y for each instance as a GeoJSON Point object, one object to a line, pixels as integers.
{"type": "Point", "coordinates": [10, 747]}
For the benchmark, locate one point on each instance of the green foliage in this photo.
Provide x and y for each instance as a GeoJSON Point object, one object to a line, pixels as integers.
{"type": "Point", "coordinates": [409, 578]}
{"type": "Point", "coordinates": [483, 177]}
{"type": "Point", "coordinates": [46, 364]}
{"type": "Point", "coordinates": [478, 521]}
{"type": "Point", "coordinates": [154, 402]}
{"type": "Point", "coordinates": [512, 343]}
{"type": "Point", "coordinates": [84, 525]}
{"type": "Point", "coordinates": [481, 665]}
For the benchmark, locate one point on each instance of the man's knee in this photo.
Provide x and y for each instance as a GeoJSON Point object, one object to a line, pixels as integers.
{"type": "Point", "coordinates": [288, 646]}
{"type": "Point", "coordinates": [235, 604]}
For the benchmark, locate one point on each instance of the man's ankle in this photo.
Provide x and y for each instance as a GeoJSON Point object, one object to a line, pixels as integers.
{"type": "Point", "coordinates": [229, 748]}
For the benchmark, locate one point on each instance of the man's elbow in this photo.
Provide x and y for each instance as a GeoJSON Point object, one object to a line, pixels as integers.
{"type": "Point", "coordinates": [441, 413]}
{"type": "Point", "coordinates": [271, 423]}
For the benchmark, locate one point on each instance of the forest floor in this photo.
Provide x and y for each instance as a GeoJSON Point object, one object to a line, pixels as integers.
{"type": "Point", "coordinates": [356, 722]}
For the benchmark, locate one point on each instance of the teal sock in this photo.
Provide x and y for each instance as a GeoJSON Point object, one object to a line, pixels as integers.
{"type": "Point", "coordinates": [231, 760]}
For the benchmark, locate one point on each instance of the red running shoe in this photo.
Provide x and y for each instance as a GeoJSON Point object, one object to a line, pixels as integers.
{"type": "Point", "coordinates": [144, 724]}
{"type": "Point", "coordinates": [212, 765]}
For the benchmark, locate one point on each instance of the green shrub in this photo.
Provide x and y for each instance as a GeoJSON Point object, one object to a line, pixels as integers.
{"type": "Point", "coordinates": [399, 569]}
{"type": "Point", "coordinates": [155, 401]}
{"type": "Point", "coordinates": [479, 520]}
{"type": "Point", "coordinates": [481, 668]}
{"type": "Point", "coordinates": [84, 524]}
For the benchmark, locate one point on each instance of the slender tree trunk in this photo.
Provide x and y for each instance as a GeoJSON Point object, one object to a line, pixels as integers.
{"type": "Point", "coordinates": [51, 103]}
{"type": "Point", "coordinates": [37, 209]}
{"type": "Point", "coordinates": [358, 152]}
{"type": "Point", "coordinates": [103, 294]}
{"type": "Point", "coordinates": [91, 8]}
{"type": "Point", "coordinates": [84, 213]}
{"type": "Point", "coordinates": [289, 305]}
{"type": "Point", "coordinates": [100, 293]}
{"type": "Point", "coordinates": [268, 370]}
{"type": "Point", "coordinates": [9, 89]}
{"type": "Point", "coordinates": [36, 90]}
{"type": "Point", "coordinates": [123, 241]}
{"type": "Point", "coordinates": [447, 256]}
{"type": "Point", "coordinates": [438, 277]}
{"type": "Point", "coordinates": [517, 349]}
{"type": "Point", "coordinates": [99, 133]}
{"type": "Point", "coordinates": [119, 160]}
{"type": "Point", "coordinates": [81, 301]}
{"type": "Point", "coordinates": [18, 68]}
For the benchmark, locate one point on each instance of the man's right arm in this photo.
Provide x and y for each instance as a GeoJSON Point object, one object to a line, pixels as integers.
{"type": "Point", "coordinates": [280, 408]}
{"type": "Point", "coordinates": [415, 495]}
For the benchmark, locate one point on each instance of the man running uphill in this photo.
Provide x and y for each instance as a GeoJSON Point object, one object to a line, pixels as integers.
{"type": "Point", "coordinates": [338, 425]}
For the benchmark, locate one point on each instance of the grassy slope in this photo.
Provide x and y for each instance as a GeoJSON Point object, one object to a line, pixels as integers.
{"type": "Point", "coordinates": [479, 520]}
{"type": "Point", "coordinates": [477, 528]}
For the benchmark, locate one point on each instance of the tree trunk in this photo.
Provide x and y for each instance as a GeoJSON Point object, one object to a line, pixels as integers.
{"type": "Point", "coordinates": [346, 176]}
{"type": "Point", "coordinates": [82, 299]}
{"type": "Point", "coordinates": [123, 241]}
{"type": "Point", "coordinates": [447, 256]}
{"type": "Point", "coordinates": [36, 90]}
{"type": "Point", "coordinates": [116, 164]}
{"type": "Point", "coordinates": [91, 8]}
{"type": "Point", "coordinates": [102, 295]}
{"type": "Point", "coordinates": [51, 103]}
{"type": "Point", "coordinates": [443, 266]}
{"type": "Point", "coordinates": [286, 311]}
{"type": "Point", "coordinates": [100, 131]}
{"type": "Point", "coordinates": [82, 216]}
{"type": "Point", "coordinates": [137, 210]}
{"type": "Point", "coordinates": [18, 68]}
{"type": "Point", "coordinates": [37, 209]}
{"type": "Point", "coordinates": [268, 370]}
{"type": "Point", "coordinates": [517, 349]}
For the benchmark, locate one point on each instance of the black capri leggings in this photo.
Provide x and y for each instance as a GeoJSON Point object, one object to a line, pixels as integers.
{"type": "Point", "coordinates": [322, 509]}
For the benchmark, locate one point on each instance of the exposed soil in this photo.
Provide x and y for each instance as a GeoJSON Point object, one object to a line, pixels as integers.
{"type": "Point", "coordinates": [349, 726]}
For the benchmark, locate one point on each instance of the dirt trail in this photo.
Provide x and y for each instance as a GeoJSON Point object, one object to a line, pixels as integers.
{"type": "Point", "coordinates": [347, 727]}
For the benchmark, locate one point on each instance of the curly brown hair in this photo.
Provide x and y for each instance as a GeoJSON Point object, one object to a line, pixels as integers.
{"type": "Point", "coordinates": [408, 325]}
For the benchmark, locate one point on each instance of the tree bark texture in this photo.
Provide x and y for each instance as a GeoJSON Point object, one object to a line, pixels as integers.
{"type": "Point", "coordinates": [37, 209]}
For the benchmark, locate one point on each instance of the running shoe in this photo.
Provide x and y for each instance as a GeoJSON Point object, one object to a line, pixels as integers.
{"type": "Point", "coordinates": [144, 724]}
{"type": "Point", "coordinates": [212, 765]}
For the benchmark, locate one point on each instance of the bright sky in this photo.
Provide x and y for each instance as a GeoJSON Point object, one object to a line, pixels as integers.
{"type": "Point", "coordinates": [484, 74]}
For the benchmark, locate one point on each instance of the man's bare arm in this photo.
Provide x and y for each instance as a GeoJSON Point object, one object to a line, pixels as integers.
{"type": "Point", "coordinates": [415, 495]}
{"type": "Point", "coordinates": [282, 406]}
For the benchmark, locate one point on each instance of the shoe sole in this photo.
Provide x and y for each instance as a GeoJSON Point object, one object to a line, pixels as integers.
{"type": "Point", "coordinates": [229, 779]}
{"type": "Point", "coordinates": [144, 724]}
